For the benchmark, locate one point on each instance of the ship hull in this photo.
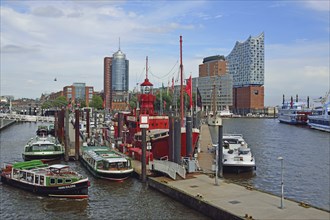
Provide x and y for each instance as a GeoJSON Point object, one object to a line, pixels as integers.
{"type": "Point", "coordinates": [160, 146]}
{"type": "Point", "coordinates": [76, 190]}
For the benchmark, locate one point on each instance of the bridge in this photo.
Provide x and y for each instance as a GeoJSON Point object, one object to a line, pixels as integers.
{"type": "Point", "coordinates": [27, 118]}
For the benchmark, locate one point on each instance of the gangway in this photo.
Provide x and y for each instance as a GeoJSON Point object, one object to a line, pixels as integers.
{"type": "Point", "coordinates": [169, 167]}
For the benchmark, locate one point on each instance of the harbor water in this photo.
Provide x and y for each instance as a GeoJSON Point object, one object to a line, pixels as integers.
{"type": "Point", "coordinates": [107, 200]}
{"type": "Point", "coordinates": [306, 176]}
{"type": "Point", "coordinates": [305, 153]}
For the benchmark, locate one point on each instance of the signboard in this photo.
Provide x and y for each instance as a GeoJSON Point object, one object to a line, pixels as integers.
{"type": "Point", "coordinates": [144, 121]}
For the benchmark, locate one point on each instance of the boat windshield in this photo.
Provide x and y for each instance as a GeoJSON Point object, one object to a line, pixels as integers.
{"type": "Point", "coordinates": [43, 147]}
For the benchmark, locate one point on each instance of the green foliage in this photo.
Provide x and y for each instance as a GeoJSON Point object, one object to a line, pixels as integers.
{"type": "Point", "coordinates": [59, 102]}
{"type": "Point", "coordinates": [97, 102]}
{"type": "Point", "coordinates": [167, 97]}
{"type": "Point", "coordinates": [133, 101]}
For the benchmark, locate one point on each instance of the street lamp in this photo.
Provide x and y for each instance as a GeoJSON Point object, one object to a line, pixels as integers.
{"type": "Point", "coordinates": [282, 184]}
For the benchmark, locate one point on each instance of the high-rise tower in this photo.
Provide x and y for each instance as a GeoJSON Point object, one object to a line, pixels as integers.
{"type": "Point", "coordinates": [246, 64]}
{"type": "Point", "coordinates": [107, 83]}
{"type": "Point", "coordinates": [119, 71]}
{"type": "Point", "coordinates": [116, 81]}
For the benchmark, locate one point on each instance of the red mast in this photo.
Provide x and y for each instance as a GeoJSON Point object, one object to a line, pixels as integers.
{"type": "Point", "coordinates": [181, 87]}
{"type": "Point", "coordinates": [147, 67]}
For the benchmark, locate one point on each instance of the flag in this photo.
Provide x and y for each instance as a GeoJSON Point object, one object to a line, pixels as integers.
{"type": "Point", "coordinates": [199, 99]}
{"type": "Point", "coordinates": [189, 90]}
{"type": "Point", "coordinates": [172, 84]}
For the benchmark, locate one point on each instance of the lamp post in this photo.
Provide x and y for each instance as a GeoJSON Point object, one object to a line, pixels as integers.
{"type": "Point", "coordinates": [282, 184]}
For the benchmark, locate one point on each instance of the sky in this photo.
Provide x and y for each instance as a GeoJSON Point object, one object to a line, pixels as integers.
{"type": "Point", "coordinates": [68, 40]}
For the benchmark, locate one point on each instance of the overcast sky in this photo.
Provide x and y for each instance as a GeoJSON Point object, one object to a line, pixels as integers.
{"type": "Point", "coordinates": [68, 40]}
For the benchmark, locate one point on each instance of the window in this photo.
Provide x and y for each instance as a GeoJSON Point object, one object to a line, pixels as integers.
{"type": "Point", "coordinates": [52, 181]}
{"type": "Point", "coordinates": [59, 181]}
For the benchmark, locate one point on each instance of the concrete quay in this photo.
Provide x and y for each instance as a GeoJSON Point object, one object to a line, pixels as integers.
{"type": "Point", "coordinates": [229, 200]}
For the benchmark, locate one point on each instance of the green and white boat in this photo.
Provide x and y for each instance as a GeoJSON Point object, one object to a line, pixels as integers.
{"type": "Point", "coordinates": [105, 163]}
{"type": "Point", "coordinates": [57, 180]}
{"type": "Point", "coordinates": [43, 148]}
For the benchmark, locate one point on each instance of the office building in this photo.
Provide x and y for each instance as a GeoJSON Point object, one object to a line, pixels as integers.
{"type": "Point", "coordinates": [213, 66]}
{"type": "Point", "coordinates": [78, 93]}
{"type": "Point", "coordinates": [116, 81]}
{"type": "Point", "coordinates": [107, 83]}
{"type": "Point", "coordinates": [223, 85]}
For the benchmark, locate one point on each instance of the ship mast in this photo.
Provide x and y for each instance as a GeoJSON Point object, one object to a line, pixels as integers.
{"type": "Point", "coordinates": [147, 67]}
{"type": "Point", "coordinates": [181, 86]}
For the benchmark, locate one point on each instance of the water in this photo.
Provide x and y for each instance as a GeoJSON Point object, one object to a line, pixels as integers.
{"type": "Point", "coordinates": [306, 159]}
{"type": "Point", "coordinates": [107, 200]}
{"type": "Point", "coordinates": [306, 176]}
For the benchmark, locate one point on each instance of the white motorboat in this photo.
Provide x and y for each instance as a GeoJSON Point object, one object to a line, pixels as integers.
{"type": "Point", "coordinates": [237, 156]}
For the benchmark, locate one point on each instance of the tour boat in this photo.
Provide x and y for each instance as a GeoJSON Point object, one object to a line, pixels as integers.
{"type": "Point", "coordinates": [237, 156]}
{"type": "Point", "coordinates": [105, 163]}
{"type": "Point", "coordinates": [43, 148]}
{"type": "Point", "coordinates": [295, 113]}
{"type": "Point", "coordinates": [56, 180]}
{"type": "Point", "coordinates": [320, 118]}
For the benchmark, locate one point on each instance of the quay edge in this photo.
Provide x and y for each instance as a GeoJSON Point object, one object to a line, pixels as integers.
{"type": "Point", "coordinates": [195, 203]}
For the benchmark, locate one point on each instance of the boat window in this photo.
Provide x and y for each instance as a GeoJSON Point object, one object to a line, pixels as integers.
{"type": "Point", "coordinates": [43, 147]}
{"type": "Point", "coordinates": [23, 175]}
{"type": "Point", "coordinates": [113, 165]}
{"type": "Point", "coordinates": [68, 180]}
{"type": "Point", "coordinates": [42, 180]}
{"type": "Point", "coordinates": [52, 180]}
{"type": "Point", "coordinates": [29, 177]}
{"type": "Point", "coordinates": [100, 165]}
{"type": "Point", "coordinates": [36, 179]}
{"type": "Point", "coordinates": [60, 181]}
{"type": "Point", "coordinates": [120, 165]}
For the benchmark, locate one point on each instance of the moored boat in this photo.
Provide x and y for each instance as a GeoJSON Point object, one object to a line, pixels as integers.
{"type": "Point", "coordinates": [45, 148]}
{"type": "Point", "coordinates": [295, 113]}
{"type": "Point", "coordinates": [158, 126]}
{"type": "Point", "coordinates": [105, 163]}
{"type": "Point", "coordinates": [320, 117]}
{"type": "Point", "coordinates": [237, 156]}
{"type": "Point", "coordinates": [56, 180]}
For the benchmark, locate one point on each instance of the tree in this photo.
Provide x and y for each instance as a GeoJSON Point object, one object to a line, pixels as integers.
{"type": "Point", "coordinates": [133, 101]}
{"type": "Point", "coordinates": [97, 102]}
{"type": "Point", "coordinates": [59, 102]}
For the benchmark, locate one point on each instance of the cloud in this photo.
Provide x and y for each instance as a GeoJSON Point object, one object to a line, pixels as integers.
{"type": "Point", "coordinates": [301, 68]}
{"type": "Point", "coordinates": [318, 5]}
{"type": "Point", "coordinates": [18, 49]}
{"type": "Point", "coordinates": [47, 11]}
